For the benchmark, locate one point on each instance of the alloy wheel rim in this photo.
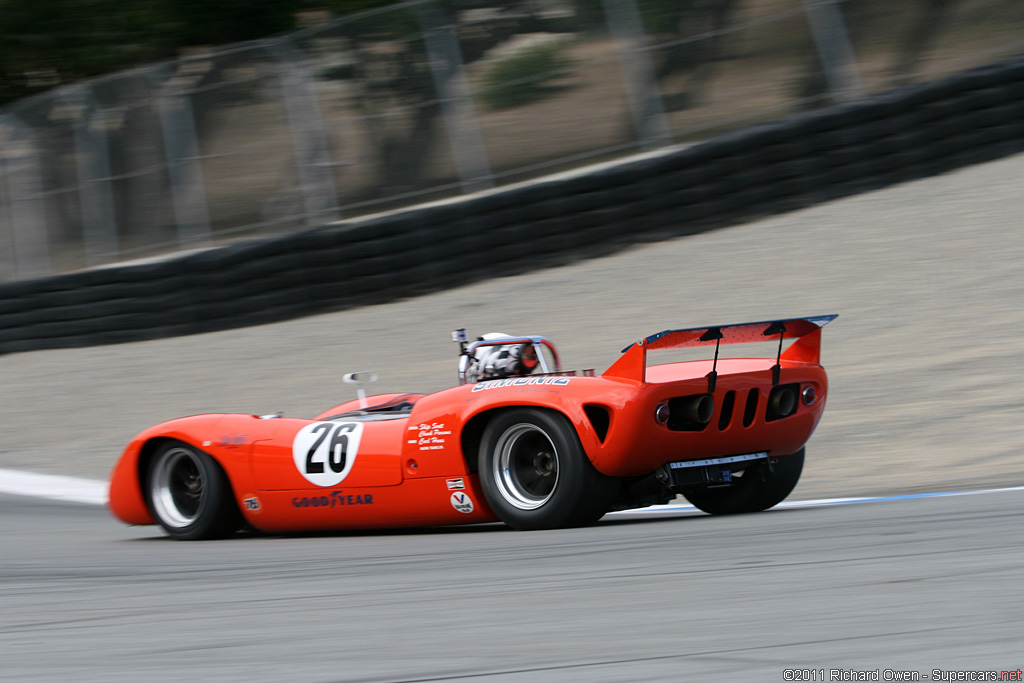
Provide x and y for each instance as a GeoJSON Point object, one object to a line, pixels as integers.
{"type": "Point", "coordinates": [526, 466]}
{"type": "Point", "coordinates": [178, 487]}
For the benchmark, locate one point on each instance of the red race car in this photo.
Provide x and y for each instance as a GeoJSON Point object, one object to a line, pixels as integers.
{"type": "Point", "coordinates": [518, 440]}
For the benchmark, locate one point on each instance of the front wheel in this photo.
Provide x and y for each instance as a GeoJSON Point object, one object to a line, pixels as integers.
{"type": "Point", "coordinates": [755, 489]}
{"type": "Point", "coordinates": [535, 474]}
{"type": "Point", "coordinates": [189, 494]}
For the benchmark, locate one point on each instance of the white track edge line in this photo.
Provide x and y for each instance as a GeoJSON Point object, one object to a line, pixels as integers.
{"type": "Point", "coordinates": [53, 487]}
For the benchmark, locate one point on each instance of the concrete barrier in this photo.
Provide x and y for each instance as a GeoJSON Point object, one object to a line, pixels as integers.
{"type": "Point", "coordinates": [908, 133]}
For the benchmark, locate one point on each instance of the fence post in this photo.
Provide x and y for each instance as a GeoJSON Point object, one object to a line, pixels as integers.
{"type": "Point", "coordinates": [181, 145]}
{"type": "Point", "coordinates": [645, 105]}
{"type": "Point", "coordinates": [446, 66]}
{"type": "Point", "coordinates": [306, 125]}
{"type": "Point", "coordinates": [21, 203]}
{"type": "Point", "coordinates": [92, 162]}
{"type": "Point", "coordinates": [834, 48]}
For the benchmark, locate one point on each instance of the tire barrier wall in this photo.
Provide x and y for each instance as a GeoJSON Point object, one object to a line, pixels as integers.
{"type": "Point", "coordinates": [912, 132]}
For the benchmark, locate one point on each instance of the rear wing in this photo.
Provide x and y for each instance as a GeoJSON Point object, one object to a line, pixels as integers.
{"type": "Point", "coordinates": [806, 348]}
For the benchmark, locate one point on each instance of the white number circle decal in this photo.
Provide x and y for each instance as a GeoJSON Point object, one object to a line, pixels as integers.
{"type": "Point", "coordinates": [324, 452]}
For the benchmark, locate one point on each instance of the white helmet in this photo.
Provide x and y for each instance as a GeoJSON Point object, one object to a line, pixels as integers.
{"type": "Point", "coordinates": [500, 361]}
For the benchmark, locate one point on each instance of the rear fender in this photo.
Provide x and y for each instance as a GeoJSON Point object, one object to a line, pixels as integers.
{"type": "Point", "coordinates": [590, 435]}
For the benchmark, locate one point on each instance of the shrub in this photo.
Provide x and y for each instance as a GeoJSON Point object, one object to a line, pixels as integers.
{"type": "Point", "coordinates": [526, 76]}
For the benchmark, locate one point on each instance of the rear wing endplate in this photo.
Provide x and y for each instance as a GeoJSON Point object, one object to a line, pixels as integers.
{"type": "Point", "coordinates": [806, 332]}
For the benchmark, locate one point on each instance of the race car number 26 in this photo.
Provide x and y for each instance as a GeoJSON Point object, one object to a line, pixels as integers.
{"type": "Point", "coordinates": [324, 452]}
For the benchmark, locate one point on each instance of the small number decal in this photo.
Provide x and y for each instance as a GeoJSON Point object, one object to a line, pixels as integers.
{"type": "Point", "coordinates": [325, 451]}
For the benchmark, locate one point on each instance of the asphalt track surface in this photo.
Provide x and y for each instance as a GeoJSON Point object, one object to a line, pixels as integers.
{"type": "Point", "coordinates": [905, 585]}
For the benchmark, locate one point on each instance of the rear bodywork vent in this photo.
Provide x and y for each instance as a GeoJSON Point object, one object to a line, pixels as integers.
{"type": "Point", "coordinates": [750, 411]}
{"type": "Point", "coordinates": [725, 415]}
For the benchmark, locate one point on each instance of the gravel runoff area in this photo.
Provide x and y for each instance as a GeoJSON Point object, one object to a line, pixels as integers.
{"type": "Point", "coordinates": [926, 360]}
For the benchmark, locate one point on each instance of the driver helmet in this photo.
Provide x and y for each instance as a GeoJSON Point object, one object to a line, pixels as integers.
{"type": "Point", "coordinates": [499, 362]}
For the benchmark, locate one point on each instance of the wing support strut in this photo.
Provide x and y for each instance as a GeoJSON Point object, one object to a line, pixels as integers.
{"type": "Point", "coordinates": [716, 334]}
{"type": "Point", "coordinates": [778, 328]}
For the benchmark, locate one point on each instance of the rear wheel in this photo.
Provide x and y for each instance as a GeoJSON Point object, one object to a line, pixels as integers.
{"type": "Point", "coordinates": [754, 490]}
{"type": "Point", "coordinates": [189, 494]}
{"type": "Point", "coordinates": [535, 474]}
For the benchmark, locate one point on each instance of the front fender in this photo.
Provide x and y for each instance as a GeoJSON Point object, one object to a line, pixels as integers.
{"type": "Point", "coordinates": [127, 500]}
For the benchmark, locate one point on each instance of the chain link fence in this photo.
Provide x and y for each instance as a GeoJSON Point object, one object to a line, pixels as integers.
{"type": "Point", "coordinates": [418, 102]}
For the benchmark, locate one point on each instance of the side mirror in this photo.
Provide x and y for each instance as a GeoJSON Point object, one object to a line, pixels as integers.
{"type": "Point", "coordinates": [360, 378]}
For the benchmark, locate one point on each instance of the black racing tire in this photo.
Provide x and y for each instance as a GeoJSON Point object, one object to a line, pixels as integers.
{"type": "Point", "coordinates": [189, 494]}
{"type": "Point", "coordinates": [536, 475]}
{"type": "Point", "coordinates": [755, 490]}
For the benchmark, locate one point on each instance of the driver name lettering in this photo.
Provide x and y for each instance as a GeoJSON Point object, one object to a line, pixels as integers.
{"type": "Point", "coordinates": [430, 436]}
{"type": "Point", "coordinates": [519, 382]}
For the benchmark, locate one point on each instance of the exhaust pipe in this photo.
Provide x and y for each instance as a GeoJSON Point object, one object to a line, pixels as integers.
{"type": "Point", "coordinates": [691, 411]}
{"type": "Point", "coordinates": [782, 402]}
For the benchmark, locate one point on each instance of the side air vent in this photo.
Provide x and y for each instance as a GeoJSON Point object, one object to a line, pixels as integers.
{"type": "Point", "coordinates": [599, 418]}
